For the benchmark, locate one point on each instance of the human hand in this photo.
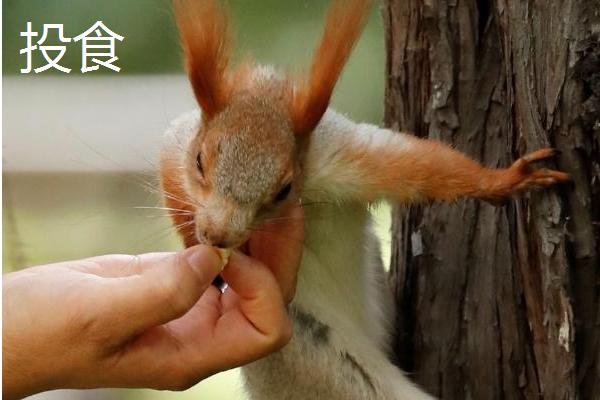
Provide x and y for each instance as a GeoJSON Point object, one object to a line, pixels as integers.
{"type": "Point", "coordinates": [278, 244]}
{"type": "Point", "coordinates": [151, 320]}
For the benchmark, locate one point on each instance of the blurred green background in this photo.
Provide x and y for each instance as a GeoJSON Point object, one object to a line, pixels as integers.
{"type": "Point", "coordinates": [277, 32]}
{"type": "Point", "coordinates": [61, 212]}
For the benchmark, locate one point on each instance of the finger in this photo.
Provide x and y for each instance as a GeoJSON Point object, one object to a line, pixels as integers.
{"type": "Point", "coordinates": [167, 288]}
{"type": "Point", "coordinates": [229, 301]}
{"type": "Point", "coordinates": [279, 246]}
{"type": "Point", "coordinates": [177, 350]}
{"type": "Point", "coordinates": [206, 339]}
{"type": "Point", "coordinates": [203, 315]}
{"type": "Point", "coordinates": [259, 300]}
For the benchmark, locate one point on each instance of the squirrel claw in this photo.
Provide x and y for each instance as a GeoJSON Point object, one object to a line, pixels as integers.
{"type": "Point", "coordinates": [538, 155]}
{"type": "Point", "coordinates": [523, 177]}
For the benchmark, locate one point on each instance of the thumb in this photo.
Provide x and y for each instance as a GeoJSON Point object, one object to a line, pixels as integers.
{"type": "Point", "coordinates": [168, 286]}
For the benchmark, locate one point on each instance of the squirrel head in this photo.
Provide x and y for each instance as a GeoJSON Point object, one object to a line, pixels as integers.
{"type": "Point", "coordinates": [244, 165]}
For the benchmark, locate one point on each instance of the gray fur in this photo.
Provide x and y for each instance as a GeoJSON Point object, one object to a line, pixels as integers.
{"type": "Point", "coordinates": [250, 183]}
{"type": "Point", "coordinates": [251, 160]}
{"type": "Point", "coordinates": [368, 380]}
{"type": "Point", "coordinates": [308, 324]}
{"type": "Point", "coordinates": [306, 370]}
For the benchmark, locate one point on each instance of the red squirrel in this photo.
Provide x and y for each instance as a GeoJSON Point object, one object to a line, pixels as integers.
{"type": "Point", "coordinates": [263, 140]}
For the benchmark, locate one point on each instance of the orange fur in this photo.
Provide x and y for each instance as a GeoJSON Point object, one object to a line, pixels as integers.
{"type": "Point", "coordinates": [205, 37]}
{"type": "Point", "coordinates": [253, 115]}
{"type": "Point", "coordinates": [343, 26]}
{"type": "Point", "coordinates": [429, 170]}
{"type": "Point", "coordinates": [177, 200]}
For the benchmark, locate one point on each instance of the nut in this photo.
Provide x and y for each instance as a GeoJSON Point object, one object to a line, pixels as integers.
{"type": "Point", "coordinates": [224, 254]}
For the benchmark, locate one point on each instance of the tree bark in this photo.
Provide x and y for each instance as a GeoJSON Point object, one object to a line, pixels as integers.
{"type": "Point", "coordinates": [500, 303]}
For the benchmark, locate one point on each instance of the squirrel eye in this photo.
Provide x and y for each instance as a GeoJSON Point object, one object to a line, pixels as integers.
{"type": "Point", "coordinates": [283, 193]}
{"type": "Point", "coordinates": [199, 163]}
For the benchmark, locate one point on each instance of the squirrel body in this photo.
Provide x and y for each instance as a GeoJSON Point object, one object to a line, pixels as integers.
{"type": "Point", "coordinates": [264, 142]}
{"type": "Point", "coordinates": [343, 309]}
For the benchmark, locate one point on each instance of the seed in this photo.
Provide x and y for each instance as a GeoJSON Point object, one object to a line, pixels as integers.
{"type": "Point", "coordinates": [224, 254]}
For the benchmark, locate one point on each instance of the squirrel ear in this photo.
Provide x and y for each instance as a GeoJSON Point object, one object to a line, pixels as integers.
{"type": "Point", "coordinates": [310, 98]}
{"type": "Point", "coordinates": [205, 38]}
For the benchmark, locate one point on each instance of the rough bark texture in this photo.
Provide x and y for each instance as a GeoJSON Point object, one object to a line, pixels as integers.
{"type": "Point", "coordinates": [500, 303]}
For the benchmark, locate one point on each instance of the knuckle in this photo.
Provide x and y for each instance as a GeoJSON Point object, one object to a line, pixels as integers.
{"type": "Point", "coordinates": [136, 262]}
{"type": "Point", "coordinates": [185, 272]}
{"type": "Point", "coordinates": [167, 289]}
{"type": "Point", "coordinates": [286, 333]}
{"type": "Point", "coordinates": [98, 335]}
{"type": "Point", "coordinates": [167, 374]}
{"type": "Point", "coordinates": [181, 385]}
{"type": "Point", "coordinates": [182, 381]}
{"type": "Point", "coordinates": [178, 288]}
{"type": "Point", "coordinates": [89, 322]}
{"type": "Point", "coordinates": [280, 336]}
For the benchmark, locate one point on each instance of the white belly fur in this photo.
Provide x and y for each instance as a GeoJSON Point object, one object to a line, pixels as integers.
{"type": "Point", "coordinates": [341, 319]}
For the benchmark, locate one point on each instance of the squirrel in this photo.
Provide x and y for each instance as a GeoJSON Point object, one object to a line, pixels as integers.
{"type": "Point", "coordinates": [262, 140]}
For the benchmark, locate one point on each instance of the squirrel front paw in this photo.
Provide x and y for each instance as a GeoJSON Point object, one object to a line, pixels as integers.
{"type": "Point", "coordinates": [521, 177]}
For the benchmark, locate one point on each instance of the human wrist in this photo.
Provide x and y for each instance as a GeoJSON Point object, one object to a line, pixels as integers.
{"type": "Point", "coordinates": [25, 370]}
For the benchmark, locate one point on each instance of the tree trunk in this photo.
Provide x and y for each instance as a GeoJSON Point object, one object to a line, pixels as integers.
{"type": "Point", "coordinates": [500, 303]}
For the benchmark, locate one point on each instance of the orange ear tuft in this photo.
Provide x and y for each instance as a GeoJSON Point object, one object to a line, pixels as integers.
{"type": "Point", "coordinates": [343, 26]}
{"type": "Point", "coordinates": [204, 31]}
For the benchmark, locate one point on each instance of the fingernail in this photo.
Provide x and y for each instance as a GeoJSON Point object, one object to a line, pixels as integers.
{"type": "Point", "coordinates": [202, 258]}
